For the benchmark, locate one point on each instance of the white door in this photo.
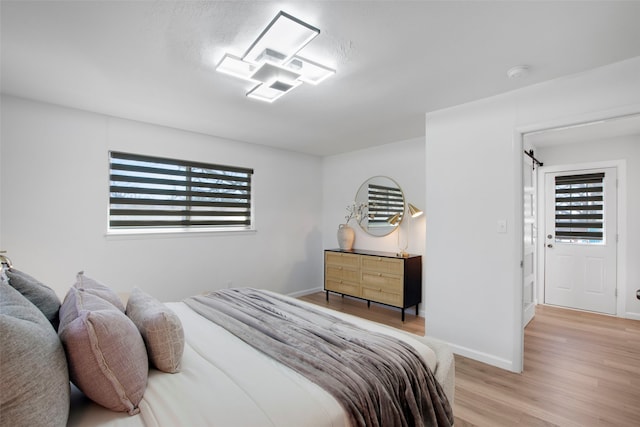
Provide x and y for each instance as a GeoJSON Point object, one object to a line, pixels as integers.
{"type": "Point", "coordinates": [529, 243]}
{"type": "Point", "coordinates": [581, 239]}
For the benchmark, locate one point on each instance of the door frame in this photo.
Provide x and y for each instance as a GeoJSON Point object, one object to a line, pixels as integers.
{"type": "Point", "coordinates": [621, 214]}
{"type": "Point", "coordinates": [519, 133]}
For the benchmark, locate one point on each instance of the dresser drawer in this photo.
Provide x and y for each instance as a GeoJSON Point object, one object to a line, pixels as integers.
{"type": "Point", "coordinates": [383, 265]}
{"type": "Point", "coordinates": [342, 287]}
{"type": "Point", "coordinates": [338, 272]}
{"type": "Point", "coordinates": [379, 295]}
{"type": "Point", "coordinates": [342, 259]}
{"type": "Point", "coordinates": [387, 282]}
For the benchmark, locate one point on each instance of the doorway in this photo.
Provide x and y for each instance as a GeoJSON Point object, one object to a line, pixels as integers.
{"type": "Point", "coordinates": [597, 142]}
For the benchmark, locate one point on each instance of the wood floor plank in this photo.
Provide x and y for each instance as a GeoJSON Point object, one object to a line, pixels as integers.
{"type": "Point", "coordinates": [377, 312]}
{"type": "Point", "coordinates": [580, 369]}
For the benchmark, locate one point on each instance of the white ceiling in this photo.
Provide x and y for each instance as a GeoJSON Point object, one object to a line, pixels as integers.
{"type": "Point", "coordinates": [154, 61]}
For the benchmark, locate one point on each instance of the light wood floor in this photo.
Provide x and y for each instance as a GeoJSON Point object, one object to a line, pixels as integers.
{"type": "Point", "coordinates": [580, 369]}
{"type": "Point", "coordinates": [377, 313]}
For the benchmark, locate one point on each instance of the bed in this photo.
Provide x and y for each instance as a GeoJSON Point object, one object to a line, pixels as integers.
{"type": "Point", "coordinates": [223, 381]}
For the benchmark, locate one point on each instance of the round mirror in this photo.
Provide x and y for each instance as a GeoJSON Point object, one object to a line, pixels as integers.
{"type": "Point", "coordinates": [383, 203]}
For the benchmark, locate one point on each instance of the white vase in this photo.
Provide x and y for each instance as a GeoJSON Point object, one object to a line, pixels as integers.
{"type": "Point", "coordinates": [346, 236]}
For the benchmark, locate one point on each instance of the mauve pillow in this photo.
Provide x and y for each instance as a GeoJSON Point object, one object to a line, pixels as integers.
{"type": "Point", "coordinates": [107, 357]}
{"type": "Point", "coordinates": [94, 287]}
{"type": "Point", "coordinates": [33, 367]}
{"type": "Point", "coordinates": [35, 291]}
{"type": "Point", "coordinates": [160, 328]}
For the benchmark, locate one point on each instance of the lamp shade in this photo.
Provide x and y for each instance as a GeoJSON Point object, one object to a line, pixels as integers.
{"type": "Point", "coordinates": [395, 219]}
{"type": "Point", "coordinates": [414, 212]}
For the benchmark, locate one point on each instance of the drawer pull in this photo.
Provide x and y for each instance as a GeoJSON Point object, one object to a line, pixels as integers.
{"type": "Point", "coordinates": [379, 274]}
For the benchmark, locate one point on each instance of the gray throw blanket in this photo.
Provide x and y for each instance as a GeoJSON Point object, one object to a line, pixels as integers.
{"type": "Point", "coordinates": [379, 380]}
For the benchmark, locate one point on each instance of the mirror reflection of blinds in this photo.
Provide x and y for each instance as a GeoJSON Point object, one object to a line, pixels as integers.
{"type": "Point", "coordinates": [154, 192]}
{"type": "Point", "coordinates": [580, 208]}
{"type": "Point", "coordinates": [384, 202]}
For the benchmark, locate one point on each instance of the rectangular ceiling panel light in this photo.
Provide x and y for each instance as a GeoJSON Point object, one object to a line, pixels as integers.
{"type": "Point", "coordinates": [272, 63]}
{"type": "Point", "coordinates": [310, 72]}
{"type": "Point", "coordinates": [286, 34]}
{"type": "Point", "coordinates": [268, 73]}
{"type": "Point", "coordinates": [236, 67]}
{"type": "Point", "coordinates": [269, 55]}
{"type": "Point", "coordinates": [263, 92]}
{"type": "Point", "coordinates": [273, 91]}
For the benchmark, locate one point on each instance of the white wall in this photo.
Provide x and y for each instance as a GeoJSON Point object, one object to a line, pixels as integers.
{"type": "Point", "coordinates": [344, 173]}
{"type": "Point", "coordinates": [619, 148]}
{"type": "Point", "coordinates": [342, 176]}
{"type": "Point", "coordinates": [54, 199]}
{"type": "Point", "coordinates": [473, 179]}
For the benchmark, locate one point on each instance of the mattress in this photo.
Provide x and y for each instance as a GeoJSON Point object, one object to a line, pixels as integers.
{"type": "Point", "coordinates": [225, 382]}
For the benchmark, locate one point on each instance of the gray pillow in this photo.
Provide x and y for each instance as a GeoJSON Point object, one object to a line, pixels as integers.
{"type": "Point", "coordinates": [107, 357]}
{"type": "Point", "coordinates": [160, 328]}
{"type": "Point", "coordinates": [39, 294]}
{"type": "Point", "coordinates": [94, 287]}
{"type": "Point", "coordinates": [33, 367]}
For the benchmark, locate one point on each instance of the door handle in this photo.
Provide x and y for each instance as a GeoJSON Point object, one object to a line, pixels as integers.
{"type": "Point", "coordinates": [549, 245]}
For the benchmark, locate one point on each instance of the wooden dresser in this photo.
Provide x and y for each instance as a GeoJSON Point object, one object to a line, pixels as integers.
{"type": "Point", "coordinates": [382, 277]}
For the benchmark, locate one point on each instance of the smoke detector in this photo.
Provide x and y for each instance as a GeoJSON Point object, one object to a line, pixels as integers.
{"type": "Point", "coordinates": [518, 72]}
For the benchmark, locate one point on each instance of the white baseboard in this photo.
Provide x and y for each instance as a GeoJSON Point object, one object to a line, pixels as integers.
{"type": "Point", "coordinates": [297, 294]}
{"type": "Point", "coordinates": [633, 316]}
{"type": "Point", "coordinates": [489, 359]}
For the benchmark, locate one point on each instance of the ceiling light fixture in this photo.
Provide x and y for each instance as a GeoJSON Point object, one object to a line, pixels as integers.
{"type": "Point", "coordinates": [272, 61]}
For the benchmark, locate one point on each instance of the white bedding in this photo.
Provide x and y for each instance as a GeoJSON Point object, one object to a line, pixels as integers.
{"type": "Point", "coordinates": [224, 382]}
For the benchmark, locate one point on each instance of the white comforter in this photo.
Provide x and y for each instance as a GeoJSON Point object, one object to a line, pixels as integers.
{"type": "Point", "coordinates": [226, 383]}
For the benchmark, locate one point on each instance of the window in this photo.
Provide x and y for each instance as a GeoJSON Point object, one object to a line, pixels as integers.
{"type": "Point", "coordinates": [580, 208]}
{"type": "Point", "coordinates": [157, 193]}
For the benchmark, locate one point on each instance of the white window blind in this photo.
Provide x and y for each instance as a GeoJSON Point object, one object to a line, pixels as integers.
{"type": "Point", "coordinates": [580, 208]}
{"type": "Point", "coordinates": [153, 192]}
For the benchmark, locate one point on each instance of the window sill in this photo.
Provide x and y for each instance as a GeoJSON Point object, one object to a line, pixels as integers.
{"type": "Point", "coordinates": [176, 233]}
